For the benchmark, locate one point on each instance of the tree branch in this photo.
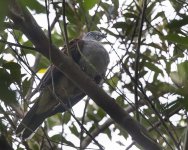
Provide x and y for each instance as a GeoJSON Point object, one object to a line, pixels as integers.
{"type": "Point", "coordinates": [105, 125]}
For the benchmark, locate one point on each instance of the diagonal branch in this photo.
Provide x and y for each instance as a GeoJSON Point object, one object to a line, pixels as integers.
{"type": "Point", "coordinates": [25, 21]}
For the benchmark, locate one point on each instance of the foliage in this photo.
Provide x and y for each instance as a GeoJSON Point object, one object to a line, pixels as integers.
{"type": "Point", "coordinates": [158, 55]}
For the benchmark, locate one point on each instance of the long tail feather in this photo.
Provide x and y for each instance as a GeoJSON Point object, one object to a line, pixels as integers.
{"type": "Point", "coordinates": [30, 122]}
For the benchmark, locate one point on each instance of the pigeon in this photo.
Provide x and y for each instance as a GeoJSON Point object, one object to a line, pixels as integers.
{"type": "Point", "coordinates": [57, 92]}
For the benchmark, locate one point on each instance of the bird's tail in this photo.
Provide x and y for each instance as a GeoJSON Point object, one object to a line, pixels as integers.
{"type": "Point", "coordinates": [30, 122]}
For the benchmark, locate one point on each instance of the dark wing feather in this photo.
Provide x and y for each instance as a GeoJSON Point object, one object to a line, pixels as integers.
{"type": "Point", "coordinates": [53, 73]}
{"type": "Point", "coordinates": [32, 119]}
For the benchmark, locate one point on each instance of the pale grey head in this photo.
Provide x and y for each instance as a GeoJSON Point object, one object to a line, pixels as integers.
{"type": "Point", "coordinates": [94, 35]}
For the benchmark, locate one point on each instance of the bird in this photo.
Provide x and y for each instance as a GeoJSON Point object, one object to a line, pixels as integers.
{"type": "Point", "coordinates": [57, 92]}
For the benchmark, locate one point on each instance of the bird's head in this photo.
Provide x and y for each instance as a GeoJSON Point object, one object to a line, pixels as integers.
{"type": "Point", "coordinates": [94, 35]}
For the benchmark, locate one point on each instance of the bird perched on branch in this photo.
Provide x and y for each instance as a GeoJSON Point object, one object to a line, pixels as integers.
{"type": "Point", "coordinates": [57, 92]}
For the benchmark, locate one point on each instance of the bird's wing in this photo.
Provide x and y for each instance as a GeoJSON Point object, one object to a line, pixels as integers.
{"type": "Point", "coordinates": [41, 109]}
{"type": "Point", "coordinates": [53, 73]}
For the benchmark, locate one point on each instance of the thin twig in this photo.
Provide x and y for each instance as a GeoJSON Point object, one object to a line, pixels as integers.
{"type": "Point", "coordinates": [83, 120]}
{"type": "Point", "coordinates": [65, 28]}
{"type": "Point", "coordinates": [137, 59]}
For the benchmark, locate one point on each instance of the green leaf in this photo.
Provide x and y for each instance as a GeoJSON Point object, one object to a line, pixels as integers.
{"type": "Point", "coordinates": [170, 107]}
{"type": "Point", "coordinates": [15, 71]}
{"type": "Point", "coordinates": [159, 88]}
{"type": "Point", "coordinates": [56, 137]}
{"type": "Point", "coordinates": [122, 131]}
{"type": "Point", "coordinates": [89, 4]}
{"type": "Point", "coordinates": [176, 24]}
{"type": "Point", "coordinates": [180, 77]}
{"type": "Point", "coordinates": [101, 113]}
{"type": "Point", "coordinates": [3, 11]}
{"type": "Point", "coordinates": [57, 39]}
{"type": "Point", "coordinates": [93, 116]}
{"type": "Point", "coordinates": [153, 68]}
{"type": "Point", "coordinates": [130, 15]}
{"type": "Point", "coordinates": [66, 117]}
{"type": "Point", "coordinates": [115, 3]}
{"type": "Point", "coordinates": [74, 130]}
{"type": "Point", "coordinates": [155, 45]}
{"type": "Point", "coordinates": [3, 45]}
{"type": "Point", "coordinates": [113, 81]}
{"type": "Point", "coordinates": [33, 5]}
{"type": "Point", "coordinates": [5, 77]}
{"type": "Point", "coordinates": [110, 32]}
{"type": "Point", "coordinates": [44, 63]}
{"type": "Point", "coordinates": [26, 85]}
{"type": "Point", "coordinates": [108, 133]}
{"type": "Point", "coordinates": [120, 100]}
{"type": "Point", "coordinates": [3, 128]}
{"type": "Point", "coordinates": [27, 51]}
{"type": "Point", "coordinates": [121, 25]}
{"type": "Point", "coordinates": [53, 121]}
{"type": "Point", "coordinates": [34, 145]}
{"type": "Point", "coordinates": [176, 78]}
{"type": "Point", "coordinates": [159, 14]}
{"type": "Point", "coordinates": [184, 102]}
{"type": "Point", "coordinates": [183, 69]}
{"type": "Point", "coordinates": [176, 39]}
{"type": "Point", "coordinates": [113, 9]}
{"type": "Point", "coordinates": [150, 8]}
{"type": "Point", "coordinates": [64, 140]}
{"type": "Point", "coordinates": [7, 95]}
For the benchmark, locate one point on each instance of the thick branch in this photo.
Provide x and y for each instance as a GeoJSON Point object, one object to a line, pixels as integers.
{"type": "Point", "coordinates": [104, 126]}
{"type": "Point", "coordinates": [24, 20]}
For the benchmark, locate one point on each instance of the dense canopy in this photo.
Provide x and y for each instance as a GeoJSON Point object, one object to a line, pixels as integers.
{"type": "Point", "coordinates": [147, 76]}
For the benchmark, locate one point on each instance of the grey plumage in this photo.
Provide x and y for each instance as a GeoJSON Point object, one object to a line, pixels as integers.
{"type": "Point", "coordinates": [57, 92]}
